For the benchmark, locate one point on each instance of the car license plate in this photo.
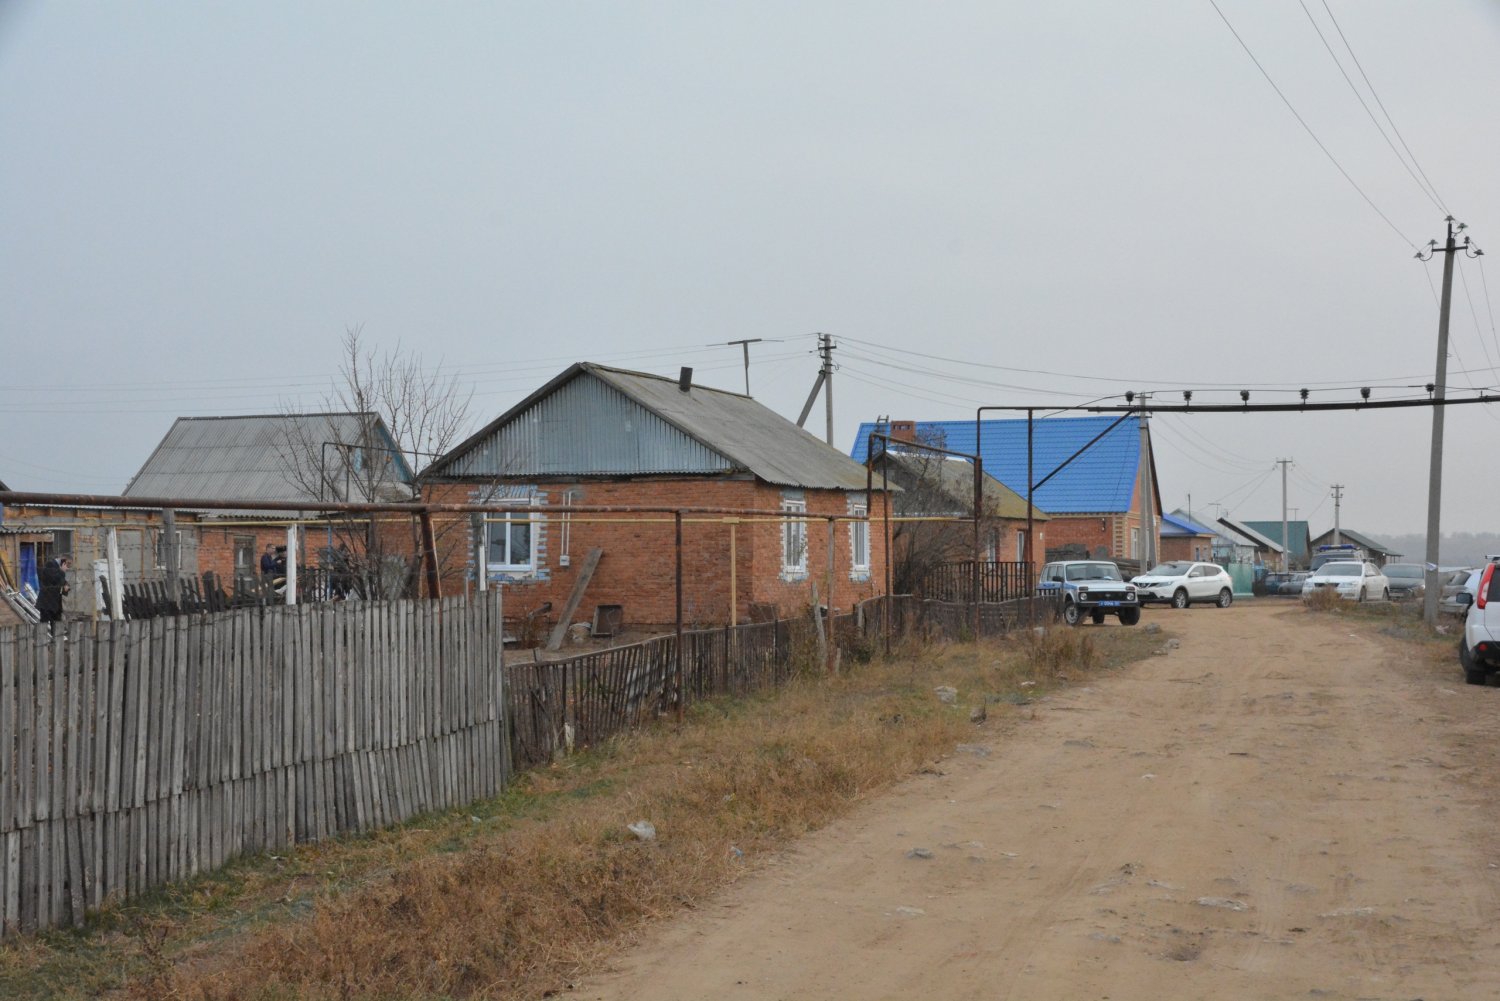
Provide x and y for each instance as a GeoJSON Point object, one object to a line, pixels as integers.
{"type": "Point", "coordinates": [1109, 604]}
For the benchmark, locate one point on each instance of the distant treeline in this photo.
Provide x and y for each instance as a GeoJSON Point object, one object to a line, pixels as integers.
{"type": "Point", "coordinates": [1457, 549]}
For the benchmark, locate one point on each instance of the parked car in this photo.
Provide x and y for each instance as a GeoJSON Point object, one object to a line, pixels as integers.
{"type": "Point", "coordinates": [1090, 587]}
{"type": "Point", "coordinates": [1458, 591]}
{"type": "Point", "coordinates": [1361, 581]}
{"type": "Point", "coordinates": [1180, 583]}
{"type": "Point", "coordinates": [1479, 649]}
{"type": "Point", "coordinates": [1293, 583]}
{"type": "Point", "coordinates": [1408, 580]}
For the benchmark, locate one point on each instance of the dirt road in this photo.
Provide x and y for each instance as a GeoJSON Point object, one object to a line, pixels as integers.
{"type": "Point", "coordinates": [1276, 809]}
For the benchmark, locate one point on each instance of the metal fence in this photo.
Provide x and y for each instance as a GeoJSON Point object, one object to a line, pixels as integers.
{"type": "Point", "coordinates": [996, 581]}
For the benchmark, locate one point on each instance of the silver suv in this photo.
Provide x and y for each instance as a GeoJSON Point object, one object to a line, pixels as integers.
{"type": "Point", "coordinates": [1089, 587]}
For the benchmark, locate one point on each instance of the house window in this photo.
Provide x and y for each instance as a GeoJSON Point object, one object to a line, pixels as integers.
{"type": "Point", "coordinates": [61, 545]}
{"type": "Point", "coordinates": [1020, 546]}
{"type": "Point", "coordinates": [859, 539]}
{"type": "Point", "coordinates": [161, 549]}
{"type": "Point", "coordinates": [244, 555]}
{"type": "Point", "coordinates": [1135, 543]}
{"type": "Point", "coordinates": [509, 541]}
{"type": "Point", "coordinates": [794, 537]}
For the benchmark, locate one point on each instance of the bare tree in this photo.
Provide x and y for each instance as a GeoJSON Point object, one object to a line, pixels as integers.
{"type": "Point", "coordinates": [385, 418]}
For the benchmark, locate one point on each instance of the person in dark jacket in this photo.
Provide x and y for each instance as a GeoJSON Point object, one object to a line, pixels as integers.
{"type": "Point", "coordinates": [54, 585]}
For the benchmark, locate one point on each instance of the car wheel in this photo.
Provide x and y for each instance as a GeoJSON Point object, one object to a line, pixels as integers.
{"type": "Point", "coordinates": [1179, 598]}
{"type": "Point", "coordinates": [1226, 597]}
{"type": "Point", "coordinates": [1097, 616]}
{"type": "Point", "coordinates": [1071, 613]}
{"type": "Point", "coordinates": [1129, 616]}
{"type": "Point", "coordinates": [1473, 673]}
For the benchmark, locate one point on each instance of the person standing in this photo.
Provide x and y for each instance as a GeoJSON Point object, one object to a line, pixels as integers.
{"type": "Point", "coordinates": [268, 562]}
{"type": "Point", "coordinates": [54, 583]}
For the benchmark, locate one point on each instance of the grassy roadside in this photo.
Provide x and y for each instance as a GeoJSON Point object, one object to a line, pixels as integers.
{"type": "Point", "coordinates": [1434, 647]}
{"type": "Point", "coordinates": [511, 897]}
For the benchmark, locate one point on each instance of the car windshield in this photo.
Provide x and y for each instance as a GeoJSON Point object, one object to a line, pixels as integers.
{"type": "Point", "coordinates": [1342, 570]}
{"type": "Point", "coordinates": [1174, 569]}
{"type": "Point", "coordinates": [1406, 571]}
{"type": "Point", "coordinates": [1093, 571]}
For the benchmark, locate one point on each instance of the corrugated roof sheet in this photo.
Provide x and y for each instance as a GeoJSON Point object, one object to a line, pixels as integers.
{"type": "Point", "coordinates": [1250, 535]}
{"type": "Point", "coordinates": [1173, 524]}
{"type": "Point", "coordinates": [1102, 479]}
{"type": "Point", "coordinates": [713, 431]}
{"type": "Point", "coordinates": [237, 458]}
{"type": "Point", "coordinates": [1297, 533]}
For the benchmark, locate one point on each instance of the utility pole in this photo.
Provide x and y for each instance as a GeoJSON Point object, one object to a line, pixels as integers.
{"type": "Point", "coordinates": [1338, 496]}
{"type": "Point", "coordinates": [825, 383]}
{"type": "Point", "coordinates": [1285, 548]}
{"type": "Point", "coordinates": [1438, 389]}
{"type": "Point", "coordinates": [745, 347]}
{"type": "Point", "coordinates": [1148, 516]}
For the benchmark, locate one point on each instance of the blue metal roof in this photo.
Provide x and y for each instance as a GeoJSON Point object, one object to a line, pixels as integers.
{"type": "Point", "coordinates": [1102, 479]}
{"type": "Point", "coordinates": [1176, 524]}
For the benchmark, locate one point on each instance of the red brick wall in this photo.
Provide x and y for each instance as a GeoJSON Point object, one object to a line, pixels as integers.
{"type": "Point", "coordinates": [638, 567]}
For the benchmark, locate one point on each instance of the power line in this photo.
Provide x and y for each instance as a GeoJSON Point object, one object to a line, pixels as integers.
{"type": "Point", "coordinates": [1430, 186]}
{"type": "Point", "coordinates": [1431, 196]}
{"type": "Point", "coordinates": [1331, 159]}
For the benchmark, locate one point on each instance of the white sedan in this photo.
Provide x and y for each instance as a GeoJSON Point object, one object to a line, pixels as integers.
{"type": "Point", "coordinates": [1181, 583]}
{"type": "Point", "coordinates": [1351, 580]}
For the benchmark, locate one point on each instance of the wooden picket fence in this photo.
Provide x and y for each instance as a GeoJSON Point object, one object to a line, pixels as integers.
{"type": "Point", "coordinates": [137, 753]}
{"type": "Point", "coordinates": [133, 754]}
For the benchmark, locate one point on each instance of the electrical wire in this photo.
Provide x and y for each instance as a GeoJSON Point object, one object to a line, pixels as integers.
{"type": "Point", "coordinates": [1373, 93]}
{"type": "Point", "coordinates": [1360, 97]}
{"type": "Point", "coordinates": [1331, 385]}
{"type": "Point", "coordinates": [1331, 159]}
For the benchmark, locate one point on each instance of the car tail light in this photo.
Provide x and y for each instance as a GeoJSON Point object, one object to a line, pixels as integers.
{"type": "Point", "coordinates": [1482, 598]}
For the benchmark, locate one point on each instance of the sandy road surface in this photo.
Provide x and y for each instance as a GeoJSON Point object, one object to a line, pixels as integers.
{"type": "Point", "coordinates": [1276, 809]}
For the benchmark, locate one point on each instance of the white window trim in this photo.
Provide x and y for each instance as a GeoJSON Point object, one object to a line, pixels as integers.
{"type": "Point", "coordinates": [501, 521]}
{"type": "Point", "coordinates": [859, 531]}
{"type": "Point", "coordinates": [794, 532]}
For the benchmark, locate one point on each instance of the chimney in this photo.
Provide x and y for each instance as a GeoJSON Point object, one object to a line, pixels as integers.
{"type": "Point", "coordinates": [685, 380]}
{"type": "Point", "coordinates": [904, 431]}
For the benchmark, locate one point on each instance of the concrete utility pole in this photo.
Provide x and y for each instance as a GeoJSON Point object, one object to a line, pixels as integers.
{"type": "Point", "coordinates": [1285, 547]}
{"type": "Point", "coordinates": [1338, 495]}
{"type": "Point", "coordinates": [1148, 515]}
{"type": "Point", "coordinates": [1439, 391]}
{"type": "Point", "coordinates": [825, 383]}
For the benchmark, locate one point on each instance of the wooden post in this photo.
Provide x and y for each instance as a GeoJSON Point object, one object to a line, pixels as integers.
{"type": "Point", "coordinates": [112, 556]}
{"type": "Point", "coordinates": [291, 565]}
{"type": "Point", "coordinates": [429, 556]}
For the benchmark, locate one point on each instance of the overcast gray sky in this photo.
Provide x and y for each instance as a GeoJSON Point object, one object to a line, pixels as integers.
{"type": "Point", "coordinates": [986, 203]}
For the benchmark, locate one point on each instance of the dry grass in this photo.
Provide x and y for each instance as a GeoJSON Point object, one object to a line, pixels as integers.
{"type": "Point", "coordinates": [517, 898]}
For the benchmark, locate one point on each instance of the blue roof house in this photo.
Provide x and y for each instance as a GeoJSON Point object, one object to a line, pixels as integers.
{"type": "Point", "coordinates": [1093, 501]}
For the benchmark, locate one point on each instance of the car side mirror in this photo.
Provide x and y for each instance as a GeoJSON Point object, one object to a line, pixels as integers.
{"type": "Point", "coordinates": [1464, 598]}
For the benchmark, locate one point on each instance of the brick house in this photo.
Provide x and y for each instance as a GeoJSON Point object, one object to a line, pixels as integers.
{"type": "Point", "coordinates": [1185, 539]}
{"type": "Point", "coordinates": [32, 534]}
{"type": "Point", "coordinates": [600, 436]}
{"type": "Point", "coordinates": [1093, 502]}
{"type": "Point", "coordinates": [297, 458]}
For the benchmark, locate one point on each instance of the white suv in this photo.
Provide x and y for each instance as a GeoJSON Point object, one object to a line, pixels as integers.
{"type": "Point", "coordinates": [1479, 650]}
{"type": "Point", "coordinates": [1183, 582]}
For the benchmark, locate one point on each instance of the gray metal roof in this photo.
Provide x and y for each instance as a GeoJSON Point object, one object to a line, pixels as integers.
{"type": "Point", "coordinates": [567, 429]}
{"type": "Point", "coordinates": [238, 458]}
